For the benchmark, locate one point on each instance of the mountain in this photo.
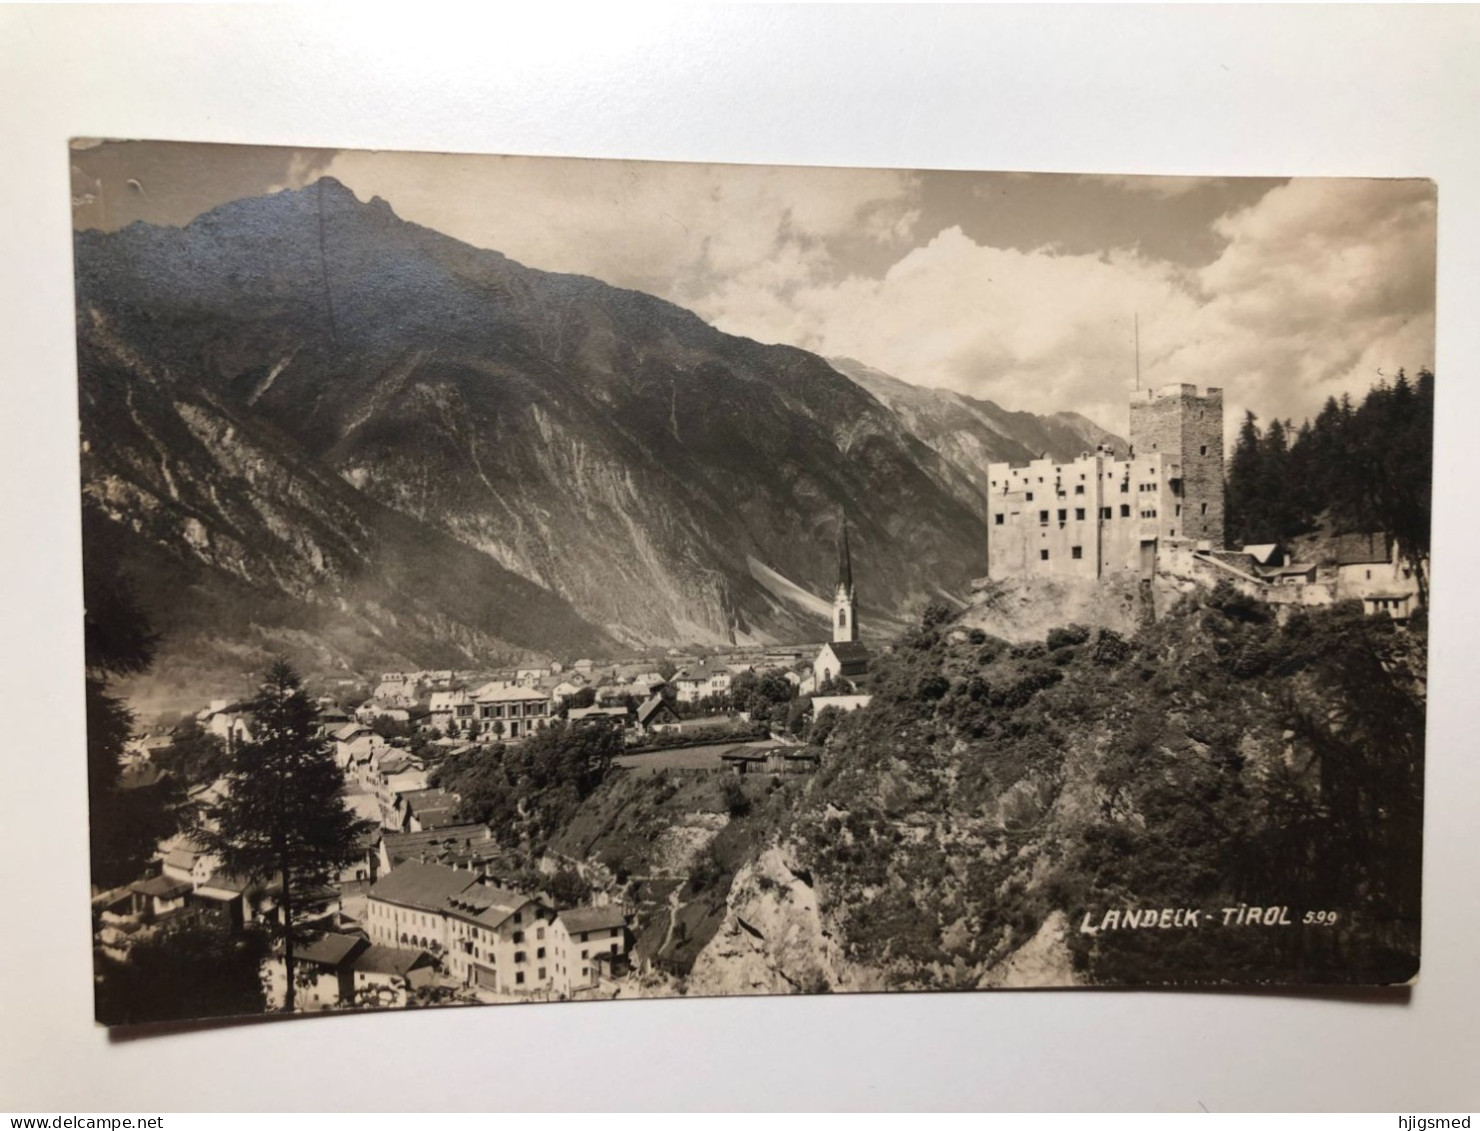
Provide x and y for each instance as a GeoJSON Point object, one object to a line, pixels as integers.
{"type": "Point", "coordinates": [968, 434]}
{"type": "Point", "coordinates": [310, 419]}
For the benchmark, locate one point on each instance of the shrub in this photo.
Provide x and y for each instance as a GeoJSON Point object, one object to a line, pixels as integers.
{"type": "Point", "coordinates": [737, 804]}
{"type": "Point", "coordinates": [1069, 634]}
{"type": "Point", "coordinates": [932, 687]}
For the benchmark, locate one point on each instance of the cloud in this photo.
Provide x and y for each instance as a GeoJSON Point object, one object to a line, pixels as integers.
{"type": "Point", "coordinates": [1325, 285]}
{"type": "Point", "coordinates": [1320, 285]}
{"type": "Point", "coordinates": [670, 229]}
{"type": "Point", "coordinates": [1163, 187]}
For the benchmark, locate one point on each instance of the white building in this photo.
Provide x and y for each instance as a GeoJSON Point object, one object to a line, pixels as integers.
{"type": "Point", "coordinates": [511, 711]}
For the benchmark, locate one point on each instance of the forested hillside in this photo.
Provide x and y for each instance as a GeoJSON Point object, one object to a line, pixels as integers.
{"type": "Point", "coordinates": [1361, 468]}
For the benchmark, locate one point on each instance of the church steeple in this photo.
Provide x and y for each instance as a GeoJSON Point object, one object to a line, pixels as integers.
{"type": "Point", "coordinates": [845, 561]}
{"type": "Point", "coordinates": [845, 606]}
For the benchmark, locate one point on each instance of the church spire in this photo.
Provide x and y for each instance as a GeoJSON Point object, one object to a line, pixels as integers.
{"type": "Point", "coordinates": [845, 609]}
{"type": "Point", "coordinates": [845, 561]}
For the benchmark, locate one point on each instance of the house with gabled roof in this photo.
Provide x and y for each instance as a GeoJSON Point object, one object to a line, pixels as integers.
{"type": "Point", "coordinates": [385, 977]}
{"type": "Point", "coordinates": [588, 942]}
{"type": "Point", "coordinates": [702, 682]}
{"type": "Point", "coordinates": [324, 971]}
{"type": "Point", "coordinates": [1370, 569]}
{"type": "Point", "coordinates": [657, 715]}
{"type": "Point", "coordinates": [485, 934]}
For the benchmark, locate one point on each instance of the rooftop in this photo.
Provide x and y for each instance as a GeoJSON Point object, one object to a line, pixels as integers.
{"type": "Point", "coordinates": [1362, 549]}
{"type": "Point", "coordinates": [493, 693]}
{"type": "Point", "coordinates": [848, 649]}
{"type": "Point", "coordinates": [330, 949]}
{"type": "Point", "coordinates": [160, 886]}
{"type": "Point", "coordinates": [377, 959]}
{"type": "Point", "coordinates": [578, 919]}
{"type": "Point", "coordinates": [427, 887]}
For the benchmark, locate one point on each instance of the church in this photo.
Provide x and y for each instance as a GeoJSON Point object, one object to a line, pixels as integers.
{"type": "Point", "coordinates": [845, 655]}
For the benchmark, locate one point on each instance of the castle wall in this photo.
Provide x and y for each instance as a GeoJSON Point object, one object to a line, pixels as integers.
{"type": "Point", "coordinates": [1188, 429]}
{"type": "Point", "coordinates": [1099, 515]}
{"type": "Point", "coordinates": [1083, 519]}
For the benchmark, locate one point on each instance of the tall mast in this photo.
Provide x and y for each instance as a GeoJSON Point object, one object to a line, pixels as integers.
{"type": "Point", "coordinates": [1138, 351]}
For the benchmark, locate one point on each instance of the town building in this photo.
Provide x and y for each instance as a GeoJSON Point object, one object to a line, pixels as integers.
{"type": "Point", "coordinates": [1369, 569]}
{"type": "Point", "coordinates": [462, 846]}
{"type": "Point", "coordinates": [446, 707]}
{"type": "Point", "coordinates": [486, 935]}
{"type": "Point", "coordinates": [323, 971]}
{"type": "Point", "coordinates": [510, 711]}
{"type": "Point", "coordinates": [702, 682]}
{"type": "Point", "coordinates": [587, 942]}
{"type": "Point", "coordinates": [610, 716]}
{"type": "Point", "coordinates": [1101, 515]}
{"type": "Point", "coordinates": [385, 977]}
{"type": "Point", "coordinates": [657, 715]}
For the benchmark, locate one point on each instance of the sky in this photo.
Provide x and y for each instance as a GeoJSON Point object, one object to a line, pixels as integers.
{"type": "Point", "coordinates": [1020, 288]}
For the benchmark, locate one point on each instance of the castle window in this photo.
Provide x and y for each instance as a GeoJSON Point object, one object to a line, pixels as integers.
{"type": "Point", "coordinates": [1125, 488]}
{"type": "Point", "coordinates": [1077, 552]}
{"type": "Point", "coordinates": [1078, 514]}
{"type": "Point", "coordinates": [1043, 555]}
{"type": "Point", "coordinates": [1179, 510]}
{"type": "Point", "coordinates": [842, 618]}
{"type": "Point", "coordinates": [1107, 512]}
{"type": "Point", "coordinates": [1125, 510]}
{"type": "Point", "coordinates": [1063, 515]}
{"type": "Point", "coordinates": [1043, 517]}
{"type": "Point", "coordinates": [1205, 508]}
{"type": "Point", "coordinates": [998, 519]}
{"type": "Point", "coordinates": [1030, 496]}
{"type": "Point", "coordinates": [1202, 451]}
{"type": "Point", "coordinates": [1079, 490]}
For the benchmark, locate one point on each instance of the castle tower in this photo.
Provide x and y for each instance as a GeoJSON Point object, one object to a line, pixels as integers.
{"type": "Point", "coordinates": [845, 603]}
{"type": "Point", "coordinates": [1186, 430]}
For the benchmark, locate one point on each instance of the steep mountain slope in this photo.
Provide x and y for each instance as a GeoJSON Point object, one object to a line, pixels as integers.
{"type": "Point", "coordinates": [237, 545]}
{"type": "Point", "coordinates": [969, 434]}
{"type": "Point", "coordinates": [313, 362]}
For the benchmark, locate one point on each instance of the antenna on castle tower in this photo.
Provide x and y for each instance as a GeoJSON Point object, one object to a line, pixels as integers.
{"type": "Point", "coordinates": [1138, 351]}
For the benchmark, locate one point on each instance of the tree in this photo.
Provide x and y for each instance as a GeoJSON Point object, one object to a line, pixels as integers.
{"type": "Point", "coordinates": [124, 825]}
{"type": "Point", "coordinates": [192, 966]}
{"type": "Point", "coordinates": [195, 755]}
{"type": "Point", "coordinates": [284, 813]}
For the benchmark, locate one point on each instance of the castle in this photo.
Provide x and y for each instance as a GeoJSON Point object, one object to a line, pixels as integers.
{"type": "Point", "coordinates": [1102, 515]}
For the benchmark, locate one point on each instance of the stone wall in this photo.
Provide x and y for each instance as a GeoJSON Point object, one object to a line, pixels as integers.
{"type": "Point", "coordinates": [1188, 429]}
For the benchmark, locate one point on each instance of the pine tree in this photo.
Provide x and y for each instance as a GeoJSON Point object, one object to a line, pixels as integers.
{"type": "Point", "coordinates": [1245, 472]}
{"type": "Point", "coordinates": [284, 815]}
{"type": "Point", "coordinates": [125, 826]}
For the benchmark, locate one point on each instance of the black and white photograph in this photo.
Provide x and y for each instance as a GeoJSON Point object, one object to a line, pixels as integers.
{"type": "Point", "coordinates": [534, 580]}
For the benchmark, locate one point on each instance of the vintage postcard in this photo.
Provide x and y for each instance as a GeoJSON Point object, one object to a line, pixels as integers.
{"type": "Point", "coordinates": [518, 579]}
